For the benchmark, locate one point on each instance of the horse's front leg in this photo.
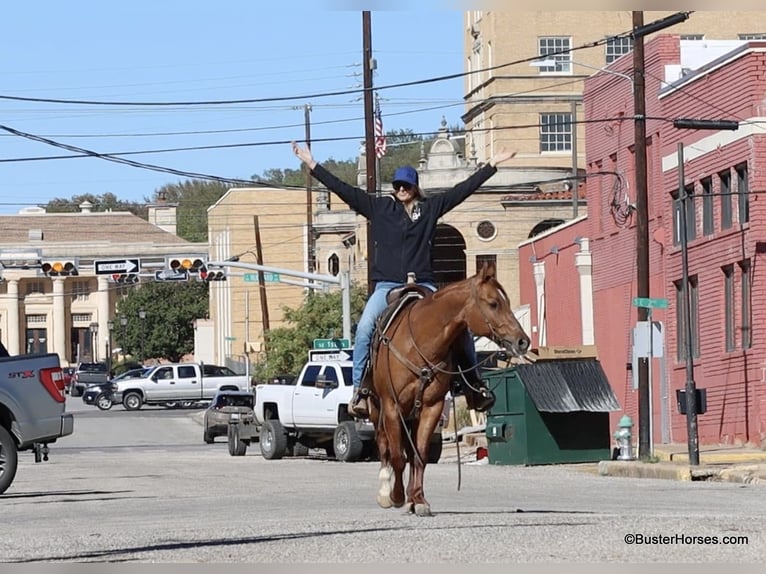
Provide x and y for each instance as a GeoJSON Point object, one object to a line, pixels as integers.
{"type": "Point", "coordinates": [395, 450]}
{"type": "Point", "coordinates": [416, 499]}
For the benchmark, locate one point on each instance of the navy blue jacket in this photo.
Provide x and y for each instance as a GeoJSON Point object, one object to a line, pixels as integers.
{"type": "Point", "coordinates": [401, 244]}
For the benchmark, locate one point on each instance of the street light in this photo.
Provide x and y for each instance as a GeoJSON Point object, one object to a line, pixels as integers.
{"type": "Point", "coordinates": [142, 317]}
{"type": "Point", "coordinates": [110, 326]}
{"type": "Point", "coordinates": [561, 63]}
{"type": "Point", "coordinates": [94, 340]}
{"type": "Point", "coordinates": [124, 323]}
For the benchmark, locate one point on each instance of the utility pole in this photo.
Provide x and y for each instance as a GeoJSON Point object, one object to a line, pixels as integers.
{"type": "Point", "coordinates": [369, 129]}
{"type": "Point", "coordinates": [310, 244]}
{"type": "Point", "coordinates": [642, 229]}
{"type": "Point", "coordinates": [261, 278]}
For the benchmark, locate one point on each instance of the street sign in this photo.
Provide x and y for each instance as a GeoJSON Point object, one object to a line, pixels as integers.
{"type": "Point", "coordinates": [337, 355]}
{"type": "Point", "coordinates": [332, 343]}
{"type": "Point", "coordinates": [651, 303]}
{"type": "Point", "coordinates": [112, 266]}
{"type": "Point", "coordinates": [170, 275]}
{"type": "Point", "coordinates": [268, 277]}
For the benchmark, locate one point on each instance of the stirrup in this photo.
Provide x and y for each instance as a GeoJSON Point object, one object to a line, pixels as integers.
{"type": "Point", "coordinates": [487, 400]}
{"type": "Point", "coordinates": [358, 407]}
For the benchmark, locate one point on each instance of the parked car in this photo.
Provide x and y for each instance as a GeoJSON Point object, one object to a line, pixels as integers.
{"type": "Point", "coordinates": [224, 403]}
{"type": "Point", "coordinates": [88, 374]}
{"type": "Point", "coordinates": [93, 392]}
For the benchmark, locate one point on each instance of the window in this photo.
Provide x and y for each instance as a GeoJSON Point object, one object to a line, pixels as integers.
{"type": "Point", "coordinates": [310, 376]}
{"type": "Point", "coordinates": [743, 193]}
{"type": "Point", "coordinates": [36, 319]}
{"type": "Point", "coordinates": [692, 36]}
{"type": "Point", "coordinates": [676, 218]}
{"type": "Point", "coordinates": [555, 132]}
{"type": "Point", "coordinates": [725, 193]}
{"type": "Point", "coordinates": [482, 259]}
{"type": "Point", "coordinates": [333, 264]}
{"type": "Point", "coordinates": [728, 307]}
{"type": "Point", "coordinates": [80, 290]}
{"type": "Point", "coordinates": [35, 287]}
{"type": "Point", "coordinates": [486, 230]}
{"type": "Point", "coordinates": [691, 214]}
{"type": "Point", "coordinates": [747, 337]}
{"type": "Point", "coordinates": [616, 47]}
{"type": "Point", "coordinates": [681, 329]}
{"type": "Point", "coordinates": [752, 36]}
{"type": "Point", "coordinates": [187, 372]}
{"type": "Point", "coordinates": [708, 227]}
{"type": "Point", "coordinates": [547, 48]}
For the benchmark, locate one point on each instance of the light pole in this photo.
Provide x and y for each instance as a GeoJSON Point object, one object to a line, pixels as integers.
{"type": "Point", "coordinates": [142, 317]}
{"type": "Point", "coordinates": [110, 326]}
{"type": "Point", "coordinates": [93, 340]}
{"type": "Point", "coordinates": [124, 323]}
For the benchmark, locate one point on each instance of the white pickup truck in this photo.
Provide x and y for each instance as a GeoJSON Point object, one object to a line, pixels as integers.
{"type": "Point", "coordinates": [313, 413]}
{"type": "Point", "coordinates": [177, 383]}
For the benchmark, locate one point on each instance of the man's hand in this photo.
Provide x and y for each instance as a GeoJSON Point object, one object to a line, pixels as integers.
{"type": "Point", "coordinates": [304, 154]}
{"type": "Point", "coordinates": [501, 156]}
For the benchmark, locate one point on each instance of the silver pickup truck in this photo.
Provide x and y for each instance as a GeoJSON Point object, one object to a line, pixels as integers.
{"type": "Point", "coordinates": [32, 405]}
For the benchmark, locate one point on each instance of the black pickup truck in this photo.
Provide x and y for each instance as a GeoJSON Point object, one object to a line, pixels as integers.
{"type": "Point", "coordinates": [31, 409]}
{"type": "Point", "coordinates": [88, 374]}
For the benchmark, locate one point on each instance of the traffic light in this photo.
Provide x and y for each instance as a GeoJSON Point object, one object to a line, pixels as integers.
{"type": "Point", "coordinates": [60, 268]}
{"type": "Point", "coordinates": [190, 263]}
{"type": "Point", "coordinates": [218, 275]}
{"type": "Point", "coordinates": [125, 278]}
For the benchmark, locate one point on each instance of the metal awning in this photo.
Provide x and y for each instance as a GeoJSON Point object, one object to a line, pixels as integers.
{"type": "Point", "coordinates": [567, 385]}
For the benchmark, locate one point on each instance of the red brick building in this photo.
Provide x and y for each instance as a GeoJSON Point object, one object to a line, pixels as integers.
{"type": "Point", "coordinates": [724, 172]}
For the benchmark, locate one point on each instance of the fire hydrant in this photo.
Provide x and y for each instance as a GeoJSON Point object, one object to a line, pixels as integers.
{"type": "Point", "coordinates": [624, 438]}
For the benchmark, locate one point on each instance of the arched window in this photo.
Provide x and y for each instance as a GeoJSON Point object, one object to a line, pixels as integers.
{"type": "Point", "coordinates": [333, 264]}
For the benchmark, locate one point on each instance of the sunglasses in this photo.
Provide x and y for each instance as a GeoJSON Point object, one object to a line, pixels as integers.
{"type": "Point", "coordinates": [402, 184]}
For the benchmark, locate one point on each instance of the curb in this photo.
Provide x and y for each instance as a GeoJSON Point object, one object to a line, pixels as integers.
{"type": "Point", "coordinates": [744, 474]}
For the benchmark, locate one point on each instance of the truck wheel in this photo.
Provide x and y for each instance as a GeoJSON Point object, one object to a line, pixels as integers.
{"type": "Point", "coordinates": [273, 440]}
{"type": "Point", "coordinates": [104, 402]}
{"type": "Point", "coordinates": [236, 446]}
{"type": "Point", "coordinates": [9, 459]}
{"type": "Point", "coordinates": [434, 451]}
{"type": "Point", "coordinates": [207, 437]}
{"type": "Point", "coordinates": [132, 401]}
{"type": "Point", "coordinates": [347, 443]}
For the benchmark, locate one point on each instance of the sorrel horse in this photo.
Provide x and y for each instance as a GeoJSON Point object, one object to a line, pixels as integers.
{"type": "Point", "coordinates": [412, 369]}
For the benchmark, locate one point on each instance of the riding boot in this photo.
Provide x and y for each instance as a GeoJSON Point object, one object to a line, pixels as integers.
{"type": "Point", "coordinates": [358, 407]}
{"type": "Point", "coordinates": [478, 396]}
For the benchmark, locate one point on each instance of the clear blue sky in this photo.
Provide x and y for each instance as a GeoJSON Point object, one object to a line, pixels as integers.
{"type": "Point", "coordinates": [172, 51]}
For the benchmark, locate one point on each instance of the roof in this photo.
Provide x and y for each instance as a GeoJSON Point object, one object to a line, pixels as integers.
{"type": "Point", "coordinates": [567, 385]}
{"type": "Point", "coordinates": [111, 226]}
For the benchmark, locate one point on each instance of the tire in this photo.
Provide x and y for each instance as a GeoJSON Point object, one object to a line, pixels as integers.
{"type": "Point", "coordinates": [435, 451]}
{"type": "Point", "coordinates": [170, 405]}
{"type": "Point", "coordinates": [9, 459]}
{"type": "Point", "coordinates": [103, 402]}
{"type": "Point", "coordinates": [236, 446]}
{"type": "Point", "coordinates": [207, 437]}
{"type": "Point", "coordinates": [347, 443]}
{"type": "Point", "coordinates": [273, 440]}
{"type": "Point", "coordinates": [132, 401]}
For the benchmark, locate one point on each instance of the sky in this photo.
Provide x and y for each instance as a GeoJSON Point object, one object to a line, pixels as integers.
{"type": "Point", "coordinates": [182, 53]}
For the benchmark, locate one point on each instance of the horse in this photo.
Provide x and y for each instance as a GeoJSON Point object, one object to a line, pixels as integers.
{"type": "Point", "coordinates": [412, 367]}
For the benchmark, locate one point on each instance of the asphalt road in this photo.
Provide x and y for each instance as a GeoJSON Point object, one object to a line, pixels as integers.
{"type": "Point", "coordinates": [143, 487]}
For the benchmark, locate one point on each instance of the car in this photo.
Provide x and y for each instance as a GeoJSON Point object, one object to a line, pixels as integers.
{"type": "Point", "coordinates": [93, 391]}
{"type": "Point", "coordinates": [68, 374]}
{"type": "Point", "coordinates": [224, 404]}
{"type": "Point", "coordinates": [88, 374]}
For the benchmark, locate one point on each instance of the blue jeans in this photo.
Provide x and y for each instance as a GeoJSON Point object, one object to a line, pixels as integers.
{"type": "Point", "coordinates": [376, 304]}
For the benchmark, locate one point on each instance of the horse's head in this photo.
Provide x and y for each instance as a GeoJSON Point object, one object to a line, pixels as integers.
{"type": "Point", "coordinates": [491, 315]}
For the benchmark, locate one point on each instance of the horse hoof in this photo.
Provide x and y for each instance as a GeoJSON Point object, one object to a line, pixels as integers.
{"type": "Point", "coordinates": [398, 504]}
{"type": "Point", "coordinates": [384, 501]}
{"type": "Point", "coordinates": [423, 510]}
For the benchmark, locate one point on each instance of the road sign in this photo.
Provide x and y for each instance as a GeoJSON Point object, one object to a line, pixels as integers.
{"type": "Point", "coordinates": [112, 266]}
{"type": "Point", "coordinates": [170, 275]}
{"type": "Point", "coordinates": [268, 277]}
{"type": "Point", "coordinates": [337, 355]}
{"type": "Point", "coordinates": [332, 344]}
{"type": "Point", "coordinates": [651, 303]}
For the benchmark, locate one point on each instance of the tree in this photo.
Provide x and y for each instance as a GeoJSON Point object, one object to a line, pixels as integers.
{"type": "Point", "coordinates": [167, 331]}
{"type": "Point", "coordinates": [319, 317]}
{"type": "Point", "coordinates": [104, 202]}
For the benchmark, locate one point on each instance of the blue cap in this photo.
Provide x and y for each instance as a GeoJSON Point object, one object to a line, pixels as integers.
{"type": "Point", "coordinates": [406, 174]}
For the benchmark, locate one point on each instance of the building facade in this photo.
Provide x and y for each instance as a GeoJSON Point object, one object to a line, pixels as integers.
{"type": "Point", "coordinates": [723, 174]}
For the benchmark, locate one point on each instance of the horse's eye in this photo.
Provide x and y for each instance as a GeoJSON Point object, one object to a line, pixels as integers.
{"type": "Point", "coordinates": [493, 305]}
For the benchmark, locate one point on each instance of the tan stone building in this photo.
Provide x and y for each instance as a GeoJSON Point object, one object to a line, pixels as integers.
{"type": "Point", "coordinates": [529, 106]}
{"type": "Point", "coordinates": [70, 315]}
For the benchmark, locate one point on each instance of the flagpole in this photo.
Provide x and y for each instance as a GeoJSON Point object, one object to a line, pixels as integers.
{"type": "Point", "coordinates": [378, 191]}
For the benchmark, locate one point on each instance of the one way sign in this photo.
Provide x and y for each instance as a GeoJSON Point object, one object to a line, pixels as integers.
{"type": "Point", "coordinates": [112, 266]}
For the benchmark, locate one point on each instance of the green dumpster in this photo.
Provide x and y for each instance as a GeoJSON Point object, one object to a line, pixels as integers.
{"type": "Point", "coordinates": [551, 411]}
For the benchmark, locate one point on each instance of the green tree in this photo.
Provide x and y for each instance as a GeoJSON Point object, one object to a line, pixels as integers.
{"type": "Point", "coordinates": [319, 317]}
{"type": "Point", "coordinates": [193, 198]}
{"type": "Point", "coordinates": [167, 331]}
{"type": "Point", "coordinates": [103, 202]}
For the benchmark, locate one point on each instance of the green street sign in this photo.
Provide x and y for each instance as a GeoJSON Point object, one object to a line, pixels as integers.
{"type": "Point", "coordinates": [268, 277]}
{"type": "Point", "coordinates": [332, 344]}
{"type": "Point", "coordinates": [230, 338]}
{"type": "Point", "coordinates": [650, 303]}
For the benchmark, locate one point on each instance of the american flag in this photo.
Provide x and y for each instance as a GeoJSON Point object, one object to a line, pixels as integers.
{"type": "Point", "coordinates": [380, 137]}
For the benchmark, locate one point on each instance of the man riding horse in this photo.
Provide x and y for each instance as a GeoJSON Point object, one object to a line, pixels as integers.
{"type": "Point", "coordinates": [403, 226]}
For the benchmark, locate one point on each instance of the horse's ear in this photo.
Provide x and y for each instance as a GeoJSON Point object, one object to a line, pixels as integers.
{"type": "Point", "coordinates": [487, 271]}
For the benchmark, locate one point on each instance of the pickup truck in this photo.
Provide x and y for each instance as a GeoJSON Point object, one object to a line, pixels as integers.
{"type": "Point", "coordinates": [87, 374]}
{"type": "Point", "coordinates": [171, 384]}
{"type": "Point", "coordinates": [32, 405]}
{"type": "Point", "coordinates": [313, 413]}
